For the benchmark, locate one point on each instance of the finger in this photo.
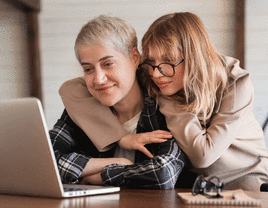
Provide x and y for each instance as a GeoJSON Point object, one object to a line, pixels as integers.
{"type": "Point", "coordinates": [146, 151]}
{"type": "Point", "coordinates": [150, 140]}
{"type": "Point", "coordinates": [158, 140]}
{"type": "Point", "coordinates": [161, 132]}
{"type": "Point", "coordinates": [160, 135]}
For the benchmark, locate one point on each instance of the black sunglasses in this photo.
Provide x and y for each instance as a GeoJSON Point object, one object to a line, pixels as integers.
{"type": "Point", "coordinates": [208, 187]}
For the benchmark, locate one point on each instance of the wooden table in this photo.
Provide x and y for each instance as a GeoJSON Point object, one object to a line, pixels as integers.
{"type": "Point", "coordinates": [125, 198]}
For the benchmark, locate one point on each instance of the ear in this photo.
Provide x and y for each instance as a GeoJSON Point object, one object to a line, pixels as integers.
{"type": "Point", "coordinates": [135, 55]}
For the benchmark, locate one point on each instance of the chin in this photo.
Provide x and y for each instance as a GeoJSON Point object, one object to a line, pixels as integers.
{"type": "Point", "coordinates": [170, 91]}
{"type": "Point", "coordinates": [108, 102]}
{"type": "Point", "coordinates": [167, 93]}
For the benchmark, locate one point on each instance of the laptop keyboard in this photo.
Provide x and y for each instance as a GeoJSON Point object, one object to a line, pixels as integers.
{"type": "Point", "coordinates": [66, 189]}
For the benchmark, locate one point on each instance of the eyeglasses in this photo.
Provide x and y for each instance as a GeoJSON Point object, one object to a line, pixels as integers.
{"type": "Point", "coordinates": [167, 69]}
{"type": "Point", "coordinates": [207, 187]}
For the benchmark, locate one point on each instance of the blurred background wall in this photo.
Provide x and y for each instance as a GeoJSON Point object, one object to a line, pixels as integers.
{"type": "Point", "coordinates": [60, 21]}
{"type": "Point", "coordinates": [14, 73]}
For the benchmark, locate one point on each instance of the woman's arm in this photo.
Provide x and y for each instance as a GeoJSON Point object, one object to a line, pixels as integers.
{"type": "Point", "coordinates": [72, 164]}
{"type": "Point", "coordinates": [96, 165]}
{"type": "Point", "coordinates": [161, 172]}
{"type": "Point", "coordinates": [96, 120]}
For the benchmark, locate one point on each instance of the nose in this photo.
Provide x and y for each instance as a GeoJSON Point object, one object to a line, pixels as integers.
{"type": "Point", "coordinates": [100, 77]}
{"type": "Point", "coordinates": [156, 73]}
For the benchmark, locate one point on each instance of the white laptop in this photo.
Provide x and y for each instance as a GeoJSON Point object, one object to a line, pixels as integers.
{"type": "Point", "coordinates": [27, 162]}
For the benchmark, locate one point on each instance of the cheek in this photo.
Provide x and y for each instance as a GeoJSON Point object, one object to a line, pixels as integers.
{"type": "Point", "coordinates": [178, 81]}
{"type": "Point", "coordinates": [89, 81]}
{"type": "Point", "coordinates": [179, 76]}
{"type": "Point", "coordinates": [126, 76]}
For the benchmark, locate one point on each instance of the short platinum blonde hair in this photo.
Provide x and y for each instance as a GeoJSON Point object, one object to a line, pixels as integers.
{"type": "Point", "coordinates": [205, 75]}
{"type": "Point", "coordinates": [107, 31]}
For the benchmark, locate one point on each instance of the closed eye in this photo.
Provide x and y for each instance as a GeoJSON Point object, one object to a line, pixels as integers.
{"type": "Point", "coordinates": [88, 70]}
{"type": "Point", "coordinates": [168, 60]}
{"type": "Point", "coordinates": [107, 64]}
{"type": "Point", "coordinates": [150, 61]}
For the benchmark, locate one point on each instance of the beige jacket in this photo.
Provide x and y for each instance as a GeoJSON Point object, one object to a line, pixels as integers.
{"type": "Point", "coordinates": [229, 148]}
{"type": "Point", "coordinates": [233, 146]}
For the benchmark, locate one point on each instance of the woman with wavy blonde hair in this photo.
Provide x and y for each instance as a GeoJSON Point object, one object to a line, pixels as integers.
{"type": "Point", "coordinates": [205, 73]}
{"type": "Point", "coordinates": [207, 100]}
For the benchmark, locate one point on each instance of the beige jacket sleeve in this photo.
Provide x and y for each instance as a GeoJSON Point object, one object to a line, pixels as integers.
{"type": "Point", "coordinates": [96, 120]}
{"type": "Point", "coordinates": [204, 146]}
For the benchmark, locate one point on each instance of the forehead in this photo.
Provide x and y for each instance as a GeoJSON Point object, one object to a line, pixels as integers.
{"type": "Point", "coordinates": [97, 52]}
{"type": "Point", "coordinates": [162, 52]}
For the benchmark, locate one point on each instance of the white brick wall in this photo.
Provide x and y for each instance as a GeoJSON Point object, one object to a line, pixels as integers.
{"type": "Point", "coordinates": [61, 20]}
{"type": "Point", "coordinates": [14, 73]}
{"type": "Point", "coordinates": [256, 61]}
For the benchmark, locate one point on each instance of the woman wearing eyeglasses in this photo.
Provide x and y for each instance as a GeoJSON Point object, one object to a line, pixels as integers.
{"type": "Point", "coordinates": [207, 100]}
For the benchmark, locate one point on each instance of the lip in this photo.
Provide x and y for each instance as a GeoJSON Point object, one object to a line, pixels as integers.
{"type": "Point", "coordinates": [104, 89]}
{"type": "Point", "coordinates": [162, 84]}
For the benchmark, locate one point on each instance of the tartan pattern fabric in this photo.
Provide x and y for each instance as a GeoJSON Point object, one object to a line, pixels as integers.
{"type": "Point", "coordinates": [73, 149]}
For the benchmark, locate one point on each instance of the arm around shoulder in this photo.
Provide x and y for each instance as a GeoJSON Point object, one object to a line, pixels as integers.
{"type": "Point", "coordinates": [95, 119]}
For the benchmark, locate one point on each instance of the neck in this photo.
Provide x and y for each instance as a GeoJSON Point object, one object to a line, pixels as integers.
{"type": "Point", "coordinates": [131, 105]}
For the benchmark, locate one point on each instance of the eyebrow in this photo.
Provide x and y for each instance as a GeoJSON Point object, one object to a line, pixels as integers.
{"type": "Point", "coordinates": [104, 58]}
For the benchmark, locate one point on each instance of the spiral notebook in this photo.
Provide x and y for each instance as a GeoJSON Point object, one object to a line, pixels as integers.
{"type": "Point", "coordinates": [232, 197]}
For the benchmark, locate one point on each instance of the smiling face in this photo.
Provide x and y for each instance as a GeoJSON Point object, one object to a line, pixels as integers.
{"type": "Point", "coordinates": [167, 85]}
{"type": "Point", "coordinates": [109, 75]}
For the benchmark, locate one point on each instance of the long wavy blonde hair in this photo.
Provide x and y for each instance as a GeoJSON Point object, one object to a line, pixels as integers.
{"type": "Point", "coordinates": [205, 74]}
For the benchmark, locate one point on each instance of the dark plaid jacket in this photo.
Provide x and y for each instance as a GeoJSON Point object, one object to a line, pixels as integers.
{"type": "Point", "coordinates": [73, 149]}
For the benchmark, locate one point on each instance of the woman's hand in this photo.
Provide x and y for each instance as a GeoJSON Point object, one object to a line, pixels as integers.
{"type": "Point", "coordinates": [95, 178]}
{"type": "Point", "coordinates": [92, 179]}
{"type": "Point", "coordinates": [123, 161]}
{"type": "Point", "coordinates": [96, 165]}
{"type": "Point", "coordinates": [138, 141]}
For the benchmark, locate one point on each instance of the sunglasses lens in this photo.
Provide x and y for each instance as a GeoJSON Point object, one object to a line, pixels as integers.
{"type": "Point", "coordinates": [211, 188]}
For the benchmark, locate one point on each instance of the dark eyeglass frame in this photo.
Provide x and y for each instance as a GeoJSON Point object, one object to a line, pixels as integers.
{"type": "Point", "coordinates": [159, 68]}
{"type": "Point", "coordinates": [202, 186]}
